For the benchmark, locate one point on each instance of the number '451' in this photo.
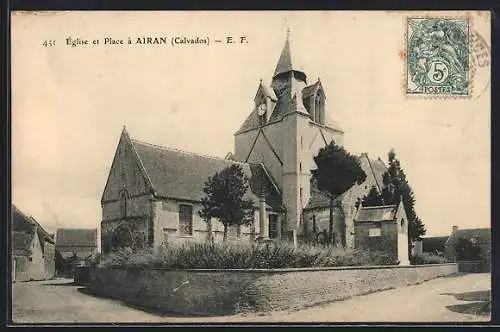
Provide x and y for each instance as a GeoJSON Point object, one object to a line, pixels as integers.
{"type": "Point", "coordinates": [49, 43]}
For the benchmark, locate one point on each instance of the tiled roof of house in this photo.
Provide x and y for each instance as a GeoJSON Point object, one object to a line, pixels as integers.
{"type": "Point", "coordinates": [481, 235]}
{"type": "Point", "coordinates": [377, 213]}
{"type": "Point", "coordinates": [22, 222]}
{"type": "Point", "coordinates": [21, 243]}
{"type": "Point", "coordinates": [75, 237]}
{"type": "Point", "coordinates": [375, 167]}
{"type": "Point", "coordinates": [180, 174]}
{"type": "Point", "coordinates": [434, 243]}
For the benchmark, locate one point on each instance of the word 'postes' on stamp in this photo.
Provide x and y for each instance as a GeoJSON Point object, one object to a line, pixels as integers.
{"type": "Point", "coordinates": [438, 56]}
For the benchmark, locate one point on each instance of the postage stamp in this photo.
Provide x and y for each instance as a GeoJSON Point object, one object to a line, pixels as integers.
{"type": "Point", "coordinates": [437, 56]}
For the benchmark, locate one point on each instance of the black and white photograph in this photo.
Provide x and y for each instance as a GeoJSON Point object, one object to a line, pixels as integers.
{"type": "Point", "coordinates": [247, 167]}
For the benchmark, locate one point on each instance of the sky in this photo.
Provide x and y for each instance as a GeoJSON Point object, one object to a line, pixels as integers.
{"type": "Point", "coordinates": [69, 104]}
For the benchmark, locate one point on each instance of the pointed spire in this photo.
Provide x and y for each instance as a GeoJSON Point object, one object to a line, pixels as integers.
{"type": "Point", "coordinates": [285, 61]}
{"type": "Point", "coordinates": [124, 131]}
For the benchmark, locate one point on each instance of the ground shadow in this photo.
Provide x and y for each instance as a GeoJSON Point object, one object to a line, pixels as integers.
{"type": "Point", "coordinates": [456, 274]}
{"type": "Point", "coordinates": [149, 310]}
{"type": "Point", "coordinates": [472, 296]}
{"type": "Point", "coordinates": [482, 308]}
{"type": "Point", "coordinates": [69, 283]}
{"type": "Point", "coordinates": [480, 303]}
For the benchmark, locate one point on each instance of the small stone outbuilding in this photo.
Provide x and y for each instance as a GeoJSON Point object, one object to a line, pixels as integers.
{"type": "Point", "coordinates": [383, 228]}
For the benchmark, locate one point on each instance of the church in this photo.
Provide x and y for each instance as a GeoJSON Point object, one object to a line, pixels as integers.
{"type": "Point", "coordinates": [155, 191]}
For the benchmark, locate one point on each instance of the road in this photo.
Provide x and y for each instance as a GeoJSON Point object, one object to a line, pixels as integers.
{"type": "Point", "coordinates": [450, 299]}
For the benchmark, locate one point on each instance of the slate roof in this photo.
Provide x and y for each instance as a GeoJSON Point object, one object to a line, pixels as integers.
{"type": "Point", "coordinates": [21, 243]}
{"type": "Point", "coordinates": [22, 222]}
{"type": "Point", "coordinates": [285, 62]}
{"type": "Point", "coordinates": [179, 174]}
{"type": "Point", "coordinates": [376, 167]}
{"type": "Point", "coordinates": [285, 104]}
{"type": "Point", "coordinates": [75, 237]}
{"type": "Point", "coordinates": [377, 213]}
{"type": "Point", "coordinates": [267, 91]}
{"type": "Point", "coordinates": [482, 235]}
{"type": "Point", "coordinates": [434, 243]}
{"type": "Point", "coordinates": [308, 90]}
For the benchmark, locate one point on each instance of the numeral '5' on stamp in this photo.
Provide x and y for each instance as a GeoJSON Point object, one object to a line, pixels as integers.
{"type": "Point", "coordinates": [438, 56]}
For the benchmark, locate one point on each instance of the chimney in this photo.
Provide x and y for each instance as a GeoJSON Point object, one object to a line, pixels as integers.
{"type": "Point", "coordinates": [454, 229]}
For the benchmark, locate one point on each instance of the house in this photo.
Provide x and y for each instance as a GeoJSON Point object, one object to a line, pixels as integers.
{"type": "Point", "coordinates": [153, 192]}
{"type": "Point", "coordinates": [383, 228]}
{"type": "Point", "coordinates": [33, 252]}
{"type": "Point", "coordinates": [81, 243]}
{"type": "Point", "coordinates": [477, 237]}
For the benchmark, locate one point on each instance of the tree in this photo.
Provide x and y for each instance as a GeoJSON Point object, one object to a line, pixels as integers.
{"type": "Point", "coordinates": [373, 198]}
{"type": "Point", "coordinates": [467, 250]}
{"type": "Point", "coordinates": [396, 187]}
{"type": "Point", "coordinates": [337, 171]}
{"type": "Point", "coordinates": [60, 262]}
{"type": "Point", "coordinates": [223, 198]}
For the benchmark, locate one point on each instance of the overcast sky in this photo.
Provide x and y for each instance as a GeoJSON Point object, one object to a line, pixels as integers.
{"type": "Point", "coordinates": [69, 104]}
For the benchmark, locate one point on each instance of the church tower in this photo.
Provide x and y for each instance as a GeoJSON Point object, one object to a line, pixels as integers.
{"type": "Point", "coordinates": [284, 131]}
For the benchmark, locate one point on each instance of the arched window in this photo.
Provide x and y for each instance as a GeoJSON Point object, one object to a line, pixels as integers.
{"type": "Point", "coordinates": [319, 108]}
{"type": "Point", "coordinates": [123, 203]}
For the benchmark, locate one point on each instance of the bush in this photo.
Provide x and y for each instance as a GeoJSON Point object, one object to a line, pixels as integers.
{"type": "Point", "coordinates": [426, 258]}
{"type": "Point", "coordinates": [243, 256]}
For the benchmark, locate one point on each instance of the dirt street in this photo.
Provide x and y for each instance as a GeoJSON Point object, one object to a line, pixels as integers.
{"type": "Point", "coordinates": [452, 299]}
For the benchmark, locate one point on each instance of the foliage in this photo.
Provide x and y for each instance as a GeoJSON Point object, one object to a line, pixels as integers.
{"type": "Point", "coordinates": [467, 250]}
{"type": "Point", "coordinates": [223, 198]}
{"type": "Point", "coordinates": [208, 255]}
{"type": "Point", "coordinates": [60, 262]}
{"type": "Point", "coordinates": [337, 171]}
{"type": "Point", "coordinates": [396, 187]}
{"type": "Point", "coordinates": [426, 258]}
{"type": "Point", "coordinates": [373, 198]}
{"type": "Point", "coordinates": [93, 260]}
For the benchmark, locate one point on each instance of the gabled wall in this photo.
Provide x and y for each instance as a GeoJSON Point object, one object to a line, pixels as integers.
{"type": "Point", "coordinates": [31, 267]}
{"type": "Point", "coordinates": [125, 172]}
{"type": "Point", "coordinates": [402, 236]}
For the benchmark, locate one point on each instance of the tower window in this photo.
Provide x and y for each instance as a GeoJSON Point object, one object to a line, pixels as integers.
{"type": "Point", "coordinates": [300, 166]}
{"type": "Point", "coordinates": [301, 142]}
{"type": "Point", "coordinates": [319, 108]}
{"type": "Point", "coordinates": [300, 193]}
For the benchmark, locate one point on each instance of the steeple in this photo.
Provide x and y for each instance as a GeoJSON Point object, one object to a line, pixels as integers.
{"type": "Point", "coordinates": [285, 62]}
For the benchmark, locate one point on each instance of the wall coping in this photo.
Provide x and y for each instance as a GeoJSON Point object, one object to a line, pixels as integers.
{"type": "Point", "coordinates": [290, 270]}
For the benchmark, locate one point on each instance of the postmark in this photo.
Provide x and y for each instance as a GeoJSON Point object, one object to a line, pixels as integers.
{"type": "Point", "coordinates": [437, 61]}
{"type": "Point", "coordinates": [480, 61]}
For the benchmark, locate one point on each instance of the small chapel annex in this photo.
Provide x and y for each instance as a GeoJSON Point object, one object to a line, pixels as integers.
{"type": "Point", "coordinates": [155, 191]}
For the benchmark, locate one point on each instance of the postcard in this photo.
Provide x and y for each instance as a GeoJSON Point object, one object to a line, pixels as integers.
{"type": "Point", "coordinates": [250, 166]}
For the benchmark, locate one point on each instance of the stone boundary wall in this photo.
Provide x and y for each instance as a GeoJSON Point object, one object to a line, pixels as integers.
{"type": "Point", "coordinates": [225, 292]}
{"type": "Point", "coordinates": [477, 266]}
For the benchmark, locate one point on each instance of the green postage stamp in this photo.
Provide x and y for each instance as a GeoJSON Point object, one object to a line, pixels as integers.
{"type": "Point", "coordinates": [437, 56]}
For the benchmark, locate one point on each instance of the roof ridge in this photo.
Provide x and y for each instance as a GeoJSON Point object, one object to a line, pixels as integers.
{"type": "Point", "coordinates": [77, 229]}
{"type": "Point", "coordinates": [379, 206]}
{"type": "Point", "coordinates": [162, 147]}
